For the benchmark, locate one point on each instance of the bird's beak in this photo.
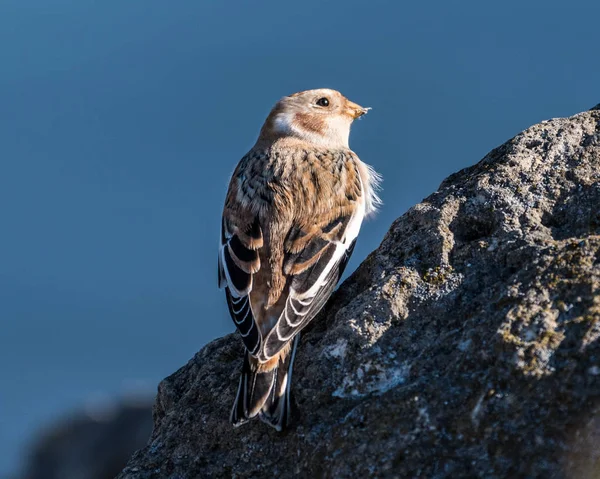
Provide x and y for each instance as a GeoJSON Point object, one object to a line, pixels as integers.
{"type": "Point", "coordinates": [356, 111]}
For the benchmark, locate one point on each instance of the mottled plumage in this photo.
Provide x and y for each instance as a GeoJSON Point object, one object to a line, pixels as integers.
{"type": "Point", "coordinates": [292, 213]}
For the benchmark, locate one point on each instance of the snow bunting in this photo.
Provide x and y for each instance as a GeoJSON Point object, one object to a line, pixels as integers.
{"type": "Point", "coordinates": [292, 214]}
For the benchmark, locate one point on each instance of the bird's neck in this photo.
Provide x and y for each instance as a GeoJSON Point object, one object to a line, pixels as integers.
{"type": "Point", "coordinates": [329, 132]}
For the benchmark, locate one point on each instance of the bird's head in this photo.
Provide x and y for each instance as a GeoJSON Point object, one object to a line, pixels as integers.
{"type": "Point", "coordinates": [320, 117]}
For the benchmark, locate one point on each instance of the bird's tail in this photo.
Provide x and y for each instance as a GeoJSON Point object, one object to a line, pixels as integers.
{"type": "Point", "coordinates": [265, 393]}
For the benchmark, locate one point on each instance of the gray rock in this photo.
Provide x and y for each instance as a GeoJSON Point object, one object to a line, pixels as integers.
{"type": "Point", "coordinates": [466, 345]}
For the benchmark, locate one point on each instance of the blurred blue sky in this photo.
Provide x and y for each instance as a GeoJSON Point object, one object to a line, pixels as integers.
{"type": "Point", "coordinates": [121, 121]}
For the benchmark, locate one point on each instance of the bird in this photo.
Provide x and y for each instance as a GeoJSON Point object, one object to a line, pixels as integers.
{"type": "Point", "coordinates": [292, 213]}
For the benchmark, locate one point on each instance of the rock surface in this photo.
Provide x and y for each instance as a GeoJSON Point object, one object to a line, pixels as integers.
{"type": "Point", "coordinates": [466, 345]}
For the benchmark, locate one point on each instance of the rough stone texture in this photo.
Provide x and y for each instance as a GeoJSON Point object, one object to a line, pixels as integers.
{"type": "Point", "coordinates": [465, 345]}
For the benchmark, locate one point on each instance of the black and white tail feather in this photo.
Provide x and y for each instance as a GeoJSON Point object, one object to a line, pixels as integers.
{"type": "Point", "coordinates": [266, 394]}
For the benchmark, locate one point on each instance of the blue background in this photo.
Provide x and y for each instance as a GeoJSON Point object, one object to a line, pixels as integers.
{"type": "Point", "coordinates": [121, 121]}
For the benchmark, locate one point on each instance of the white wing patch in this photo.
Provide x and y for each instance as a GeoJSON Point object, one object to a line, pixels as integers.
{"type": "Point", "coordinates": [237, 281]}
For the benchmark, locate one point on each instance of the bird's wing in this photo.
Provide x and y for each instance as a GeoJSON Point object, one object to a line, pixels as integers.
{"type": "Point", "coordinates": [315, 258]}
{"type": "Point", "coordinates": [306, 259]}
{"type": "Point", "coordinates": [239, 260]}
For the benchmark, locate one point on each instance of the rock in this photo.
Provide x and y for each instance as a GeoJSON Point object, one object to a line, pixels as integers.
{"type": "Point", "coordinates": [466, 345]}
{"type": "Point", "coordinates": [94, 444]}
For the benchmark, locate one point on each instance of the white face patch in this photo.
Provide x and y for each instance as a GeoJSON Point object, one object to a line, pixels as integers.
{"type": "Point", "coordinates": [283, 123]}
{"type": "Point", "coordinates": [338, 127]}
{"type": "Point", "coordinates": [336, 134]}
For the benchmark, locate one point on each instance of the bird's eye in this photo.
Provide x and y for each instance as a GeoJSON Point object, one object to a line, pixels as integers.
{"type": "Point", "coordinates": [323, 102]}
